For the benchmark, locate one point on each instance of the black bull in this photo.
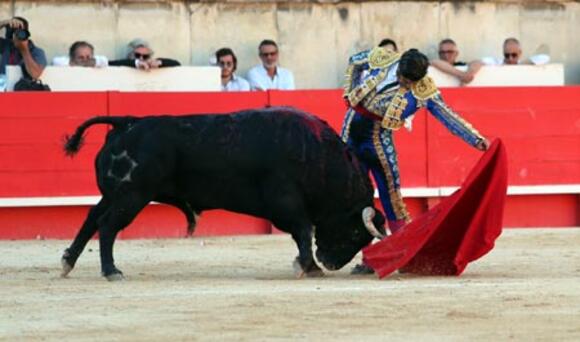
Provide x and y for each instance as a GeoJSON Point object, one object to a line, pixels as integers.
{"type": "Point", "coordinates": [279, 164]}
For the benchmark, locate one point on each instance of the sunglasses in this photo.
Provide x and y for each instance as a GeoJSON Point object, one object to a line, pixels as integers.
{"type": "Point", "coordinates": [142, 55]}
{"type": "Point", "coordinates": [226, 64]}
{"type": "Point", "coordinates": [446, 52]}
{"type": "Point", "coordinates": [510, 55]}
{"type": "Point", "coordinates": [266, 54]}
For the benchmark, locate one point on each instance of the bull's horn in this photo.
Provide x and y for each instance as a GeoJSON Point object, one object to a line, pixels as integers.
{"type": "Point", "coordinates": [367, 216]}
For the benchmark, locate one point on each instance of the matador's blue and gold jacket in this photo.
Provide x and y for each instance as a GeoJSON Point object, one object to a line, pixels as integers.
{"type": "Point", "coordinates": [372, 88]}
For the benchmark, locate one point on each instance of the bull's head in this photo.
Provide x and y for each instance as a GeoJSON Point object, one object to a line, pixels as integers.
{"type": "Point", "coordinates": [339, 241]}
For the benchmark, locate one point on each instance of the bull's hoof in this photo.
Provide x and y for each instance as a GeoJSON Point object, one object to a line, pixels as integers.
{"type": "Point", "coordinates": [115, 277]}
{"type": "Point", "coordinates": [66, 267]}
{"type": "Point", "coordinates": [313, 272]}
{"type": "Point", "coordinates": [362, 269]}
{"type": "Point", "coordinates": [67, 264]}
{"type": "Point", "coordinates": [113, 274]}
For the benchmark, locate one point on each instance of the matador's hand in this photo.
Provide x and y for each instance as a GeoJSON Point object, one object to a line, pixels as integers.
{"type": "Point", "coordinates": [483, 145]}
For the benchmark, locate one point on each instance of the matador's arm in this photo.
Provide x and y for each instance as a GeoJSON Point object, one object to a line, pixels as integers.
{"type": "Point", "coordinates": [429, 96]}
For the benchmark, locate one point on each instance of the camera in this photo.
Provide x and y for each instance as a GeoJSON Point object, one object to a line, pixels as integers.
{"type": "Point", "coordinates": [21, 34]}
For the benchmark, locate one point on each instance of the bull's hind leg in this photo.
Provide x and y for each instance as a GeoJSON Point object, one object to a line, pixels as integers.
{"type": "Point", "coordinates": [119, 215]}
{"type": "Point", "coordinates": [87, 231]}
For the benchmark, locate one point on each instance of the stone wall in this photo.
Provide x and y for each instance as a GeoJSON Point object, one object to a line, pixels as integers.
{"type": "Point", "coordinates": [315, 37]}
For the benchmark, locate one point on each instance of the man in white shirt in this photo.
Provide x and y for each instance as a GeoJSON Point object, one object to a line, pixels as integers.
{"type": "Point", "coordinates": [269, 75]}
{"type": "Point", "coordinates": [228, 62]}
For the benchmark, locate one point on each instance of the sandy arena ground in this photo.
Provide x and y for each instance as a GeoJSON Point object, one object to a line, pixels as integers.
{"type": "Point", "coordinates": [243, 288]}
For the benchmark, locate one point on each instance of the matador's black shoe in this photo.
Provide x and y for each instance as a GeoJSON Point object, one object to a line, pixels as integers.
{"type": "Point", "coordinates": [362, 269]}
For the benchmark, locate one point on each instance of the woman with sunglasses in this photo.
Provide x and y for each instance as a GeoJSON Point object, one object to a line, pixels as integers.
{"type": "Point", "coordinates": [140, 56]}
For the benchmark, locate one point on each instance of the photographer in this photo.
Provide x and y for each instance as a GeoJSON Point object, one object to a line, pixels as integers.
{"type": "Point", "coordinates": [18, 49]}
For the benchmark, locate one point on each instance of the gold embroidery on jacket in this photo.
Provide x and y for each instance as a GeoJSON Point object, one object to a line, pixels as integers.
{"type": "Point", "coordinates": [378, 58]}
{"type": "Point", "coordinates": [395, 196]}
{"type": "Point", "coordinates": [362, 90]}
{"type": "Point", "coordinates": [346, 130]}
{"type": "Point", "coordinates": [424, 89]}
{"type": "Point", "coordinates": [392, 117]}
{"type": "Point", "coordinates": [381, 58]}
{"type": "Point", "coordinates": [348, 80]}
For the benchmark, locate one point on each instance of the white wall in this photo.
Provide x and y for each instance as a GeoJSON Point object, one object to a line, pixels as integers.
{"type": "Point", "coordinates": [185, 78]}
{"type": "Point", "coordinates": [315, 37]}
{"type": "Point", "coordinates": [506, 76]}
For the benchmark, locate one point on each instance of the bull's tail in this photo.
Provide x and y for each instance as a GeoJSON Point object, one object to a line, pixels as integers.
{"type": "Point", "coordinates": [73, 143]}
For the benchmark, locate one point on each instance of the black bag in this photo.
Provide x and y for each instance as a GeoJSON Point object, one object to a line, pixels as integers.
{"type": "Point", "coordinates": [28, 84]}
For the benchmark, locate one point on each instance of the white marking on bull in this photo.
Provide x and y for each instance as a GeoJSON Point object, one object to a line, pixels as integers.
{"type": "Point", "coordinates": [122, 156]}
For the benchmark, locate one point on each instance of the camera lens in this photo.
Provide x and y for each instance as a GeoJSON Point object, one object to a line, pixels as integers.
{"type": "Point", "coordinates": [21, 34]}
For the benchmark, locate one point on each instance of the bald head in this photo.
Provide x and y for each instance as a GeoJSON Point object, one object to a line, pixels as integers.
{"type": "Point", "coordinates": [512, 51]}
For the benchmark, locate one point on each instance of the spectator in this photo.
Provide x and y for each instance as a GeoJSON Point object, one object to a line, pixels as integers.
{"type": "Point", "coordinates": [269, 75]}
{"type": "Point", "coordinates": [448, 52]}
{"type": "Point", "coordinates": [512, 55]}
{"type": "Point", "coordinates": [81, 53]}
{"type": "Point", "coordinates": [228, 62]}
{"type": "Point", "coordinates": [140, 56]}
{"type": "Point", "coordinates": [389, 44]}
{"type": "Point", "coordinates": [512, 51]}
{"type": "Point", "coordinates": [448, 63]}
{"type": "Point", "coordinates": [18, 49]}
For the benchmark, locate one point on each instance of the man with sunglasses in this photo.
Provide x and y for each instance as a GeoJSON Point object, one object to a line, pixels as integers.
{"type": "Point", "coordinates": [512, 51]}
{"type": "Point", "coordinates": [512, 55]}
{"type": "Point", "coordinates": [383, 91]}
{"type": "Point", "coordinates": [448, 62]}
{"type": "Point", "coordinates": [228, 63]}
{"type": "Point", "coordinates": [140, 56]}
{"type": "Point", "coordinates": [269, 75]}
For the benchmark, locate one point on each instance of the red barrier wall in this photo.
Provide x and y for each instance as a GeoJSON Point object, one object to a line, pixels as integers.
{"type": "Point", "coordinates": [540, 127]}
{"type": "Point", "coordinates": [33, 129]}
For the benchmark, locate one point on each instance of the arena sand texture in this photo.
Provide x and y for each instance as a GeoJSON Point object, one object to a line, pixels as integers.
{"type": "Point", "coordinates": [243, 288]}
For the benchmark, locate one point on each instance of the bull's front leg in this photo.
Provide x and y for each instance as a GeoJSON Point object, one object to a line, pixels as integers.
{"type": "Point", "coordinates": [304, 264]}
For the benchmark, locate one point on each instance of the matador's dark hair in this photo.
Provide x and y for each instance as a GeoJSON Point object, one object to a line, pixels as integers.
{"type": "Point", "coordinates": [388, 41]}
{"type": "Point", "coordinates": [413, 65]}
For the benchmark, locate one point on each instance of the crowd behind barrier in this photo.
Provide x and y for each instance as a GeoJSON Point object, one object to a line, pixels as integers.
{"type": "Point", "coordinates": [18, 49]}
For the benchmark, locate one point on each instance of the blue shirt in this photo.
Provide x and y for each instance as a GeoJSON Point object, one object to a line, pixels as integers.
{"type": "Point", "coordinates": [16, 59]}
